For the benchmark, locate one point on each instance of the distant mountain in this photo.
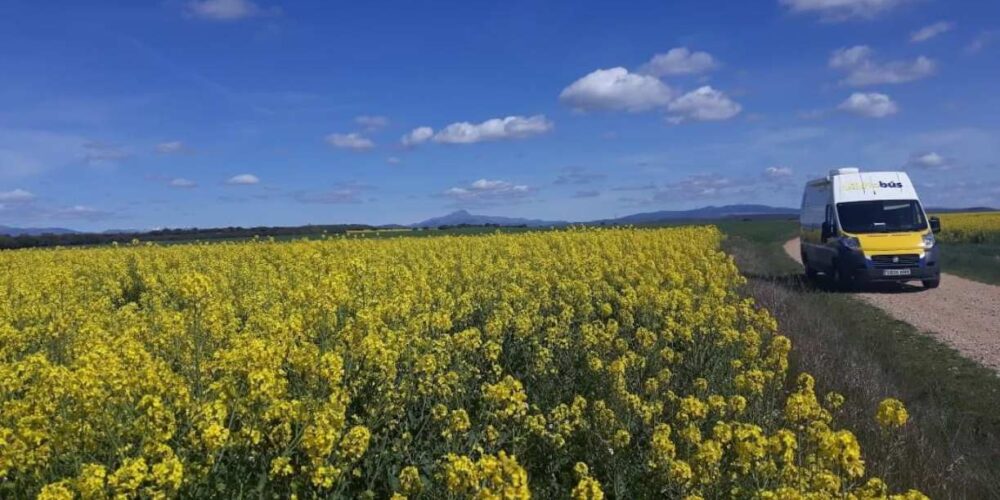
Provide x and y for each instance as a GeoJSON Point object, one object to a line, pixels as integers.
{"type": "Point", "coordinates": [34, 231]}
{"type": "Point", "coordinates": [704, 213]}
{"type": "Point", "coordinates": [463, 217]}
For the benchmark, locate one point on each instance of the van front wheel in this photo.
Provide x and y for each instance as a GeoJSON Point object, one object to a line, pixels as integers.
{"type": "Point", "coordinates": [811, 272]}
{"type": "Point", "coordinates": [934, 283]}
{"type": "Point", "coordinates": [840, 281]}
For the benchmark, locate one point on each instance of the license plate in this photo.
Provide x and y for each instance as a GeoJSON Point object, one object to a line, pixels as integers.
{"type": "Point", "coordinates": [896, 272]}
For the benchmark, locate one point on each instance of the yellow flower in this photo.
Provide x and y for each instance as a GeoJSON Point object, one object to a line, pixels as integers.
{"type": "Point", "coordinates": [587, 488]}
{"type": "Point", "coordinates": [680, 472]}
{"type": "Point", "coordinates": [460, 474]}
{"type": "Point", "coordinates": [507, 397]}
{"type": "Point", "coordinates": [129, 476]}
{"type": "Point", "coordinates": [503, 476]}
{"type": "Point", "coordinates": [834, 400]}
{"type": "Point", "coordinates": [621, 439]}
{"type": "Point", "coordinates": [355, 443]}
{"type": "Point", "coordinates": [91, 480]}
{"type": "Point", "coordinates": [55, 491]}
{"type": "Point", "coordinates": [168, 473]}
{"type": "Point", "coordinates": [891, 414]}
{"type": "Point", "coordinates": [409, 481]}
{"type": "Point", "coordinates": [325, 476]}
{"type": "Point", "coordinates": [439, 411]}
{"type": "Point", "coordinates": [700, 384]}
{"type": "Point", "coordinates": [458, 423]}
{"type": "Point", "coordinates": [281, 466]}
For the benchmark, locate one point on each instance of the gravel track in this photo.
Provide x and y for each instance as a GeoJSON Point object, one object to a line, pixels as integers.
{"type": "Point", "coordinates": [961, 313]}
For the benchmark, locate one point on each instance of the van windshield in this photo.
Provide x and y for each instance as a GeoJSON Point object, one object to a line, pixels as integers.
{"type": "Point", "coordinates": [881, 216]}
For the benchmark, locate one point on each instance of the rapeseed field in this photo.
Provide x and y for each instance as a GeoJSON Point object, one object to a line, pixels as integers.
{"type": "Point", "coordinates": [585, 363]}
{"type": "Point", "coordinates": [970, 227]}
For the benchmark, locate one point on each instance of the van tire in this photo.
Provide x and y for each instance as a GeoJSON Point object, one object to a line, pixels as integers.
{"type": "Point", "coordinates": [837, 279]}
{"type": "Point", "coordinates": [811, 272]}
{"type": "Point", "coordinates": [933, 283]}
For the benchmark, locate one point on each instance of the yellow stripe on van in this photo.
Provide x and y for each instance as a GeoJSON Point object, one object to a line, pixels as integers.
{"type": "Point", "coordinates": [891, 243]}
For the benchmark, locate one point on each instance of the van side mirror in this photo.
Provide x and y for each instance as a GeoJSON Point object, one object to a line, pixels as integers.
{"type": "Point", "coordinates": [827, 231]}
{"type": "Point", "coordinates": [935, 225]}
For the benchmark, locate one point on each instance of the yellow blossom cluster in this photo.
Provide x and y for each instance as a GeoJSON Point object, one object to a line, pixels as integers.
{"type": "Point", "coordinates": [585, 363]}
{"type": "Point", "coordinates": [971, 227]}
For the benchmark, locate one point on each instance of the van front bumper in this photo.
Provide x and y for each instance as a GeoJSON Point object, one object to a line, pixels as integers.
{"type": "Point", "coordinates": [863, 270]}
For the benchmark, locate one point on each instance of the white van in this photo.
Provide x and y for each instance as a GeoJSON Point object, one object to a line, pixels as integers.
{"type": "Point", "coordinates": [859, 227]}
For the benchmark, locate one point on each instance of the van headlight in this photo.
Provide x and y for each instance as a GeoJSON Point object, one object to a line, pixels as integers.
{"type": "Point", "coordinates": [851, 242]}
{"type": "Point", "coordinates": [929, 241]}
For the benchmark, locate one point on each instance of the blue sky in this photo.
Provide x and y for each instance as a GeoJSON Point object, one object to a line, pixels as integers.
{"type": "Point", "coordinates": [124, 114]}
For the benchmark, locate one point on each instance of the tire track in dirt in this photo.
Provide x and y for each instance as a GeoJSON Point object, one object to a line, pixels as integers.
{"type": "Point", "coordinates": [961, 313]}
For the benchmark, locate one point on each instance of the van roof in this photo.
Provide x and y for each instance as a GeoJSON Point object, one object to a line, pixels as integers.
{"type": "Point", "coordinates": [868, 186]}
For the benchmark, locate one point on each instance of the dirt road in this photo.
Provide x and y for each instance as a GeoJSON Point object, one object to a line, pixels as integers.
{"type": "Point", "coordinates": [961, 313]}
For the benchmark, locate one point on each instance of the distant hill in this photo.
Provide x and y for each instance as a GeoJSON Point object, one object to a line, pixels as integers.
{"type": "Point", "coordinates": [34, 231]}
{"type": "Point", "coordinates": [463, 217]}
{"type": "Point", "coordinates": [704, 213]}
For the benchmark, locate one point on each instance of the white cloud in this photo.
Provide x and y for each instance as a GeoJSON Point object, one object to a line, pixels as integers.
{"type": "Point", "coordinates": [180, 182]}
{"type": "Point", "coordinates": [981, 41]}
{"type": "Point", "coordinates": [511, 127]}
{"type": "Point", "coordinates": [332, 197]}
{"type": "Point", "coordinates": [871, 104]}
{"type": "Point", "coordinates": [929, 160]}
{"type": "Point", "coordinates": [416, 136]}
{"type": "Point", "coordinates": [170, 147]}
{"type": "Point", "coordinates": [97, 154]}
{"type": "Point", "coordinates": [711, 186]}
{"type": "Point", "coordinates": [352, 141]}
{"type": "Point", "coordinates": [25, 152]}
{"type": "Point", "coordinates": [770, 139]}
{"type": "Point", "coordinates": [679, 61]}
{"type": "Point", "coordinates": [371, 123]}
{"type": "Point", "coordinates": [343, 193]}
{"type": "Point", "coordinates": [850, 57]}
{"type": "Point", "coordinates": [80, 212]}
{"type": "Point", "coordinates": [931, 31]}
{"type": "Point", "coordinates": [24, 209]}
{"type": "Point", "coordinates": [486, 191]}
{"type": "Point", "coordinates": [225, 10]}
{"type": "Point", "coordinates": [840, 10]}
{"type": "Point", "coordinates": [862, 69]}
{"type": "Point", "coordinates": [393, 160]}
{"type": "Point", "coordinates": [703, 104]}
{"type": "Point", "coordinates": [577, 176]}
{"type": "Point", "coordinates": [702, 186]}
{"type": "Point", "coordinates": [616, 89]}
{"type": "Point", "coordinates": [16, 196]}
{"type": "Point", "coordinates": [777, 173]}
{"type": "Point", "coordinates": [243, 180]}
